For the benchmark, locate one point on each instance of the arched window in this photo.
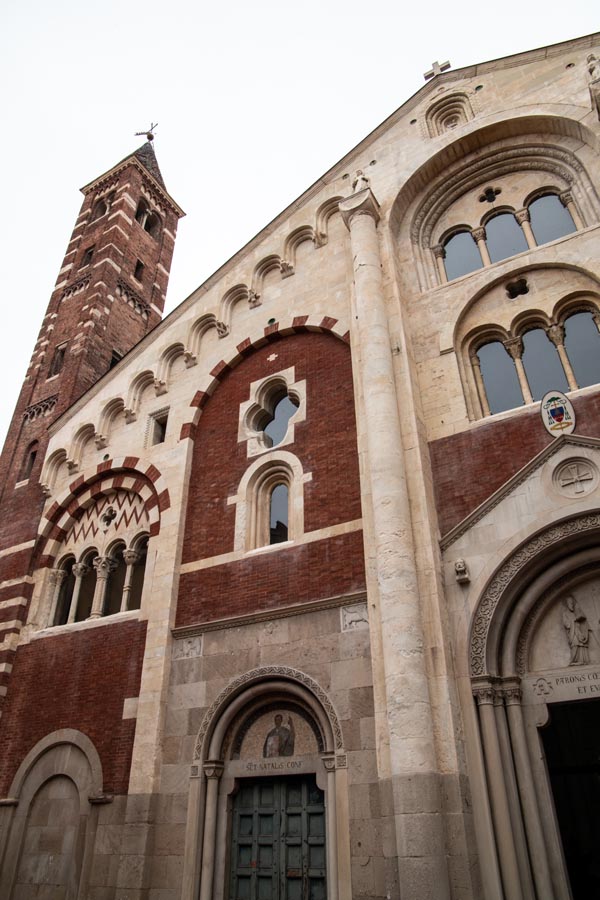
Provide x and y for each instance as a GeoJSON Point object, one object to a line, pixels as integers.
{"type": "Point", "coordinates": [278, 514]}
{"type": "Point", "coordinates": [504, 236]}
{"type": "Point", "coordinates": [86, 575]}
{"type": "Point", "coordinates": [499, 379]}
{"type": "Point", "coordinates": [461, 255]}
{"type": "Point", "coordinates": [136, 562]}
{"type": "Point", "coordinates": [28, 461]}
{"type": "Point", "coordinates": [549, 219]}
{"type": "Point", "coordinates": [99, 210]}
{"type": "Point", "coordinates": [149, 220]}
{"type": "Point", "coordinates": [116, 581]}
{"type": "Point", "coordinates": [65, 595]}
{"type": "Point", "coordinates": [141, 212]}
{"type": "Point", "coordinates": [276, 428]}
{"type": "Point", "coordinates": [582, 343]}
{"type": "Point", "coordinates": [542, 364]}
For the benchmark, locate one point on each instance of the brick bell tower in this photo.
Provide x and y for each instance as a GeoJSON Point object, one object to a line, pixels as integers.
{"type": "Point", "coordinates": [109, 293]}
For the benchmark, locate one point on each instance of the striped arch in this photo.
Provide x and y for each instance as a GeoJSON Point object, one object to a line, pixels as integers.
{"type": "Point", "coordinates": [122, 473]}
{"type": "Point", "coordinates": [295, 325]}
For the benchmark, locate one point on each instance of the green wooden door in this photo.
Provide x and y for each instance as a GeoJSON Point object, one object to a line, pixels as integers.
{"type": "Point", "coordinates": [278, 840]}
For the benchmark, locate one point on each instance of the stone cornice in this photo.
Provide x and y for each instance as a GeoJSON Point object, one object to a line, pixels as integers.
{"type": "Point", "coordinates": [574, 440]}
{"type": "Point", "coordinates": [298, 609]}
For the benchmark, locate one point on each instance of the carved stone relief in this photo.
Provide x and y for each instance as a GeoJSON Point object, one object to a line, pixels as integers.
{"type": "Point", "coordinates": [575, 477]}
{"type": "Point", "coordinates": [567, 634]}
{"type": "Point", "coordinates": [354, 617]}
{"type": "Point", "coordinates": [188, 648]}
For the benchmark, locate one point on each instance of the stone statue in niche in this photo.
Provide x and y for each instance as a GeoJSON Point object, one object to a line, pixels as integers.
{"type": "Point", "coordinates": [578, 632]}
{"type": "Point", "coordinates": [280, 739]}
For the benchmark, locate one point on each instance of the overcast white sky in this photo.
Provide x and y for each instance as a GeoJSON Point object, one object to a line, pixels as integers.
{"type": "Point", "coordinates": [254, 100]}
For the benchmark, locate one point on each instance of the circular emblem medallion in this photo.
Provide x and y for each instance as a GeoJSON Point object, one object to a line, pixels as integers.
{"type": "Point", "coordinates": [557, 413]}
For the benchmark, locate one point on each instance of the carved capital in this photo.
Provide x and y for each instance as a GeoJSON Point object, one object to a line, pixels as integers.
{"type": "Point", "coordinates": [104, 565]}
{"type": "Point", "coordinates": [213, 768]}
{"type": "Point", "coordinates": [511, 691]}
{"type": "Point", "coordinates": [131, 557]}
{"type": "Point", "coordinates": [514, 346]}
{"type": "Point", "coordinates": [522, 215]}
{"type": "Point", "coordinates": [287, 268]}
{"type": "Point", "coordinates": [160, 387]}
{"type": "Point", "coordinates": [130, 415]}
{"type": "Point", "coordinates": [57, 576]}
{"type": "Point", "coordinates": [478, 234]}
{"type": "Point", "coordinates": [362, 203]}
{"type": "Point", "coordinates": [190, 359]}
{"type": "Point", "coordinates": [565, 198]}
{"type": "Point", "coordinates": [438, 251]}
{"type": "Point", "coordinates": [253, 299]}
{"type": "Point", "coordinates": [484, 691]}
{"type": "Point", "coordinates": [80, 569]}
{"type": "Point", "coordinates": [101, 441]}
{"type": "Point", "coordinates": [556, 333]}
{"type": "Point", "coordinates": [222, 329]}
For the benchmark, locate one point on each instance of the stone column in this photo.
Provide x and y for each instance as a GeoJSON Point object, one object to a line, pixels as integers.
{"type": "Point", "coordinates": [478, 235]}
{"type": "Point", "coordinates": [103, 565]}
{"type": "Point", "coordinates": [522, 217]}
{"type": "Point", "coordinates": [556, 333]}
{"type": "Point", "coordinates": [484, 694]}
{"type": "Point", "coordinates": [56, 578]}
{"type": "Point", "coordinates": [213, 771]}
{"type": "Point", "coordinates": [79, 570]}
{"type": "Point", "coordinates": [440, 254]}
{"type": "Point", "coordinates": [566, 198]}
{"type": "Point", "coordinates": [131, 557]}
{"type": "Point", "coordinates": [485, 406]}
{"type": "Point", "coordinates": [514, 346]}
{"type": "Point", "coordinates": [528, 798]}
{"type": "Point", "coordinates": [405, 731]}
{"type": "Point", "coordinates": [332, 868]}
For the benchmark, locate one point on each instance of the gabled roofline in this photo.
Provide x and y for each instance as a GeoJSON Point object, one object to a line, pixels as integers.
{"type": "Point", "coordinates": [573, 440]}
{"type": "Point", "coordinates": [330, 175]}
{"type": "Point", "coordinates": [132, 160]}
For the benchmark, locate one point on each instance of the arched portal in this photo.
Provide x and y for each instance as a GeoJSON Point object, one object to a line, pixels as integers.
{"type": "Point", "coordinates": [535, 675]}
{"type": "Point", "coordinates": [48, 823]}
{"type": "Point", "coordinates": [268, 810]}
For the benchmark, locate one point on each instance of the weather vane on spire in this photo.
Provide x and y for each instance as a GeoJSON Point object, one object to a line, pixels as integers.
{"type": "Point", "coordinates": [149, 133]}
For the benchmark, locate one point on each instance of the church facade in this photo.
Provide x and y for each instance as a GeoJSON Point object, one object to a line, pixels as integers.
{"type": "Point", "coordinates": [300, 586]}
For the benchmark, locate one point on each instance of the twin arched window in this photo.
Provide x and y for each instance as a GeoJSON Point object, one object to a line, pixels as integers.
{"type": "Point", "coordinates": [516, 370]}
{"type": "Point", "coordinates": [505, 233]}
{"type": "Point", "coordinates": [149, 220]}
{"type": "Point", "coordinates": [96, 586]}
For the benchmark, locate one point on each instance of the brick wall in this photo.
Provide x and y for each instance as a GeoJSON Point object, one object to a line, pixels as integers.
{"type": "Point", "coordinates": [325, 444]}
{"type": "Point", "coordinates": [468, 467]}
{"type": "Point", "coordinates": [76, 680]}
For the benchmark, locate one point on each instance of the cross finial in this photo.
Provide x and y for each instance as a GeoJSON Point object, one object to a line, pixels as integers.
{"type": "Point", "coordinates": [149, 133]}
{"type": "Point", "coordinates": [436, 69]}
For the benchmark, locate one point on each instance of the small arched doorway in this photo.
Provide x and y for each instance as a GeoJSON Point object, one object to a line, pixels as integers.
{"type": "Point", "coordinates": [264, 818]}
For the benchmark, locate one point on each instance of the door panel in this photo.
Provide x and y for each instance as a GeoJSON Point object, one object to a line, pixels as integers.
{"type": "Point", "coordinates": [278, 841]}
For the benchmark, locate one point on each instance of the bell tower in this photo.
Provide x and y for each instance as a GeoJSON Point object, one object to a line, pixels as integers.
{"type": "Point", "coordinates": [110, 292]}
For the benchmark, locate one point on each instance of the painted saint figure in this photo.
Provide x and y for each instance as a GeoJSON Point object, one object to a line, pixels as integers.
{"type": "Point", "coordinates": [280, 740]}
{"type": "Point", "coordinates": [578, 632]}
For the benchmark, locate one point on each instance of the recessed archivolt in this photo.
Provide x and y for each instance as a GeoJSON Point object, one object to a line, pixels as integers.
{"type": "Point", "coordinates": [140, 383]}
{"type": "Point", "coordinates": [293, 241]}
{"type": "Point", "coordinates": [52, 467]}
{"type": "Point", "coordinates": [110, 412]}
{"type": "Point", "coordinates": [81, 437]}
{"type": "Point", "coordinates": [583, 299]}
{"type": "Point", "coordinates": [166, 360]}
